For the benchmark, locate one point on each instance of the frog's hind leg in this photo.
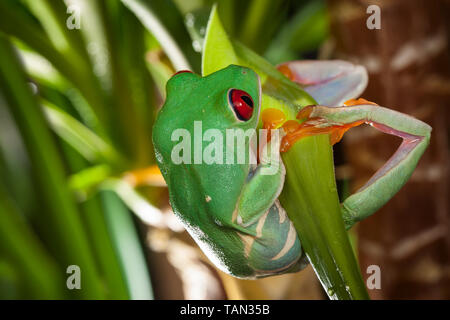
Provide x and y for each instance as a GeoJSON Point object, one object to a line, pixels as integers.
{"type": "Point", "coordinates": [276, 247]}
{"type": "Point", "coordinates": [388, 180]}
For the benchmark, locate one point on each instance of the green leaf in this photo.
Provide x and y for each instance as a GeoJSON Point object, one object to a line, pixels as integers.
{"type": "Point", "coordinates": [129, 97]}
{"type": "Point", "coordinates": [128, 246]}
{"type": "Point", "coordinates": [136, 202]}
{"type": "Point", "coordinates": [81, 138]}
{"type": "Point", "coordinates": [278, 91]}
{"type": "Point", "coordinates": [151, 19]}
{"type": "Point", "coordinates": [258, 21]}
{"type": "Point", "coordinates": [161, 73]}
{"type": "Point", "coordinates": [22, 26]}
{"type": "Point", "coordinates": [94, 218]}
{"type": "Point", "coordinates": [310, 198]}
{"type": "Point", "coordinates": [42, 275]}
{"type": "Point", "coordinates": [103, 242]}
{"type": "Point", "coordinates": [309, 194]}
{"type": "Point", "coordinates": [218, 52]}
{"type": "Point", "coordinates": [305, 31]}
{"type": "Point", "coordinates": [89, 177]}
{"type": "Point", "coordinates": [60, 212]}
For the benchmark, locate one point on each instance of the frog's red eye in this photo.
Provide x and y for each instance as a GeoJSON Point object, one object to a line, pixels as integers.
{"type": "Point", "coordinates": [242, 104]}
{"type": "Point", "coordinates": [182, 71]}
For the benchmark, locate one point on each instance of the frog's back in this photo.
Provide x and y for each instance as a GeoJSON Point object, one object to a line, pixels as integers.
{"type": "Point", "coordinates": [207, 217]}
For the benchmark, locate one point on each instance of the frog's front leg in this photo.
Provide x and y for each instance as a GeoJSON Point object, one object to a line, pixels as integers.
{"type": "Point", "coordinates": [271, 244]}
{"type": "Point", "coordinates": [388, 180]}
{"type": "Point", "coordinates": [264, 183]}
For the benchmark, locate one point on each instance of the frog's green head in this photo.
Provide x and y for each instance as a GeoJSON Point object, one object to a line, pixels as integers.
{"type": "Point", "coordinates": [226, 99]}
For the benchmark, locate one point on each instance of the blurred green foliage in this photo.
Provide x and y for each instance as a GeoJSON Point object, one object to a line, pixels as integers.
{"type": "Point", "coordinates": [76, 112]}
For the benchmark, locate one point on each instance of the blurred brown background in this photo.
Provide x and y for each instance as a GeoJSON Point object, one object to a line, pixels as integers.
{"type": "Point", "coordinates": [408, 64]}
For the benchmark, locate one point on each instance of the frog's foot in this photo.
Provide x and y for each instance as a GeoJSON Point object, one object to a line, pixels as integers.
{"type": "Point", "coordinates": [355, 102]}
{"type": "Point", "coordinates": [316, 123]}
{"type": "Point", "coordinates": [150, 176]}
{"type": "Point", "coordinates": [293, 130]}
{"type": "Point", "coordinates": [329, 82]}
{"type": "Point", "coordinates": [272, 119]}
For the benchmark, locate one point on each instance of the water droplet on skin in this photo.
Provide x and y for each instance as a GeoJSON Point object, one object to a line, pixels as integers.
{"type": "Point", "coordinates": [197, 46]}
{"type": "Point", "coordinates": [190, 20]}
{"type": "Point", "coordinates": [33, 87]}
{"type": "Point", "coordinates": [92, 48]}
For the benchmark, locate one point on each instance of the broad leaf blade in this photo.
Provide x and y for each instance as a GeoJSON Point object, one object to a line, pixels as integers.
{"type": "Point", "coordinates": [309, 194]}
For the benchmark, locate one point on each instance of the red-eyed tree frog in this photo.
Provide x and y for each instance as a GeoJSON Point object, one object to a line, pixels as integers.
{"type": "Point", "coordinates": [231, 208]}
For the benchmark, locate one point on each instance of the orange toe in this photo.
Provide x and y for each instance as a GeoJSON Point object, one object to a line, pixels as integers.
{"type": "Point", "coordinates": [355, 102]}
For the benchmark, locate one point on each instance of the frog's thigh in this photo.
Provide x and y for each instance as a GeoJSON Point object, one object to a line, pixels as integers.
{"type": "Point", "coordinates": [276, 246]}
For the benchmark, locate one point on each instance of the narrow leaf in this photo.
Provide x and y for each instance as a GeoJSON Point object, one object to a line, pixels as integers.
{"type": "Point", "coordinates": [85, 141]}
{"type": "Point", "coordinates": [128, 247]}
{"type": "Point", "coordinates": [143, 10]}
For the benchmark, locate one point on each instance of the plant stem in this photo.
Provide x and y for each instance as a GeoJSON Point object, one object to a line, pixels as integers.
{"type": "Point", "coordinates": [311, 201]}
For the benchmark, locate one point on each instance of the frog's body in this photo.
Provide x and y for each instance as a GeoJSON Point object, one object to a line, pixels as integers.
{"type": "Point", "coordinates": [229, 207]}
{"type": "Point", "coordinates": [211, 198]}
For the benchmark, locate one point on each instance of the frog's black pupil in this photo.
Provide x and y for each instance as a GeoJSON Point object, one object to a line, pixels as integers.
{"type": "Point", "coordinates": [241, 103]}
{"type": "Point", "coordinates": [247, 101]}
